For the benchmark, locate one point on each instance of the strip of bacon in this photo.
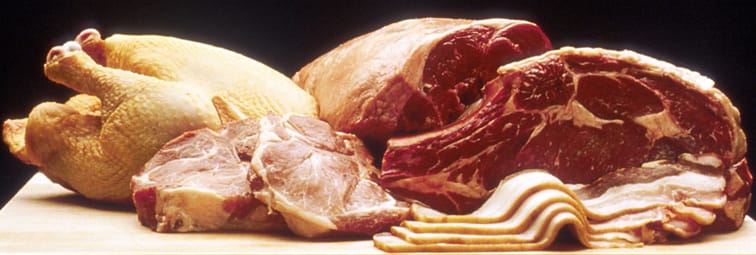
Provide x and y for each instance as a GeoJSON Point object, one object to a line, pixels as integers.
{"type": "Point", "coordinates": [626, 208]}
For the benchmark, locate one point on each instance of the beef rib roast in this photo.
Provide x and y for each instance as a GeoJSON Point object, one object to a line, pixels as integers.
{"type": "Point", "coordinates": [580, 113]}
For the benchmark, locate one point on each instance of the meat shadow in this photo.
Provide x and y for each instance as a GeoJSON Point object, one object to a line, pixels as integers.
{"type": "Point", "coordinates": [80, 201]}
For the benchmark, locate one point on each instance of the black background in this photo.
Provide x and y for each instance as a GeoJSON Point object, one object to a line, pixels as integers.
{"type": "Point", "coordinates": [714, 38]}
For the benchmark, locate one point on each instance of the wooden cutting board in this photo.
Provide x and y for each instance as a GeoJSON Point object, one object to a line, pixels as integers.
{"type": "Point", "coordinates": [44, 217]}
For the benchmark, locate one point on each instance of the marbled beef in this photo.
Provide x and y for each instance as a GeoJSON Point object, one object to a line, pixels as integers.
{"type": "Point", "coordinates": [580, 113]}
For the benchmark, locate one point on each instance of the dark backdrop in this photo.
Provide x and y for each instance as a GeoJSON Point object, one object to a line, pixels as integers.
{"type": "Point", "coordinates": [712, 37]}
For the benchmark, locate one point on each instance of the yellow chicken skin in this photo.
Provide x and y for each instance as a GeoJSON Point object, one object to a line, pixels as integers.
{"type": "Point", "coordinates": [139, 91]}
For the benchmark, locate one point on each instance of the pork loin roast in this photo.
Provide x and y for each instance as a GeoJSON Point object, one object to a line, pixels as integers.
{"type": "Point", "coordinates": [414, 75]}
{"type": "Point", "coordinates": [580, 113]}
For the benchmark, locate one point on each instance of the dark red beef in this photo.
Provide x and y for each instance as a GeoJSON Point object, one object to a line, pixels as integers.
{"type": "Point", "coordinates": [414, 75]}
{"type": "Point", "coordinates": [578, 113]}
{"type": "Point", "coordinates": [460, 64]}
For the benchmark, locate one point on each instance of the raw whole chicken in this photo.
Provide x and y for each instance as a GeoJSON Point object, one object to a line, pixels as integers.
{"type": "Point", "coordinates": [141, 91]}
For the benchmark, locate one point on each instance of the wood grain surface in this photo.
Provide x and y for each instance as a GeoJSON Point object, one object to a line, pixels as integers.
{"type": "Point", "coordinates": [44, 217]}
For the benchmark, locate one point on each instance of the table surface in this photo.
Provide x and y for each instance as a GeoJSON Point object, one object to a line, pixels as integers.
{"type": "Point", "coordinates": [44, 217]}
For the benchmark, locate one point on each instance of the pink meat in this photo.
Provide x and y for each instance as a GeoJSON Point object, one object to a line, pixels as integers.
{"type": "Point", "coordinates": [320, 180]}
{"type": "Point", "coordinates": [198, 182]}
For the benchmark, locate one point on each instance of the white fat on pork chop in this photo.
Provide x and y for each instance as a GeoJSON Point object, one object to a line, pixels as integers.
{"type": "Point", "coordinates": [320, 180]}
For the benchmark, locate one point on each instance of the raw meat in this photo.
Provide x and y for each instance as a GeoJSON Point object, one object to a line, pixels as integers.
{"type": "Point", "coordinates": [580, 114]}
{"type": "Point", "coordinates": [627, 208]}
{"type": "Point", "coordinates": [414, 75]}
{"type": "Point", "coordinates": [319, 180]}
{"type": "Point", "coordinates": [198, 182]}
